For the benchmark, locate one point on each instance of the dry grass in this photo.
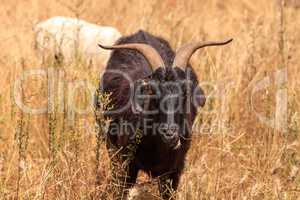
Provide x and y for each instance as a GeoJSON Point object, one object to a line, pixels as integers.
{"type": "Point", "coordinates": [235, 155]}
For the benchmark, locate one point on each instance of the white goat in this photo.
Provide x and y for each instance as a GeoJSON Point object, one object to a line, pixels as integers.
{"type": "Point", "coordinates": [68, 39]}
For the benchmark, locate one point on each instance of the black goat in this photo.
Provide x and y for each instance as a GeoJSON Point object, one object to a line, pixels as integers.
{"type": "Point", "coordinates": [155, 95]}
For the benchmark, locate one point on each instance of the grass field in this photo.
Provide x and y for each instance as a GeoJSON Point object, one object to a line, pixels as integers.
{"type": "Point", "coordinates": [247, 146]}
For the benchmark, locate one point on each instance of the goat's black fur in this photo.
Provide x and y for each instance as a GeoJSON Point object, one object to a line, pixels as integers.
{"type": "Point", "coordinates": [151, 154]}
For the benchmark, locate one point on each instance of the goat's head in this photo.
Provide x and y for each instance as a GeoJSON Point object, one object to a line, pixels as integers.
{"type": "Point", "coordinates": [169, 92]}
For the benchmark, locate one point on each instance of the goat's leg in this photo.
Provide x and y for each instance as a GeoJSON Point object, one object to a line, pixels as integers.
{"type": "Point", "coordinates": [168, 185]}
{"type": "Point", "coordinates": [124, 174]}
{"type": "Point", "coordinates": [122, 181]}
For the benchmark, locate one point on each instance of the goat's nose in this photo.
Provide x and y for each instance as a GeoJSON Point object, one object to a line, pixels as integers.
{"type": "Point", "coordinates": [169, 130]}
{"type": "Point", "coordinates": [169, 134]}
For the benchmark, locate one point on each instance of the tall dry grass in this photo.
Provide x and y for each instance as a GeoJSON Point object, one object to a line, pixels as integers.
{"type": "Point", "coordinates": [234, 156]}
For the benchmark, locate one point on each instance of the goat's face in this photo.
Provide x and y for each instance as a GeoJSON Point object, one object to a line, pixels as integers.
{"type": "Point", "coordinates": [172, 98]}
{"type": "Point", "coordinates": [168, 94]}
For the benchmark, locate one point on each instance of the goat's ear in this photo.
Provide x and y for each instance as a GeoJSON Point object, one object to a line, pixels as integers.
{"type": "Point", "coordinates": [198, 97]}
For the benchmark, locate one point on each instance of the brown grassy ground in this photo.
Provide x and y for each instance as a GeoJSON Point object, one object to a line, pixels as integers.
{"type": "Point", "coordinates": [235, 155]}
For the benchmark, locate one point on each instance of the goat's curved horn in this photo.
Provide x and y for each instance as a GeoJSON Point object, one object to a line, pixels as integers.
{"type": "Point", "coordinates": [185, 52]}
{"type": "Point", "coordinates": [148, 52]}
